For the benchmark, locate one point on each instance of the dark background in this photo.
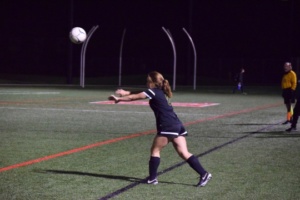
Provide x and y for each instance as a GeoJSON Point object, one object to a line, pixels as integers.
{"type": "Point", "coordinates": [259, 35]}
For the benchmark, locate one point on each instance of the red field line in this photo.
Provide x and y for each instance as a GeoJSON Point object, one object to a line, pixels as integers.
{"type": "Point", "coordinates": [233, 113]}
{"type": "Point", "coordinates": [30, 162]}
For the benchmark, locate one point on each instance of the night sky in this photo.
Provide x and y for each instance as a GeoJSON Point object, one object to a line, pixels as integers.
{"type": "Point", "coordinates": [256, 34]}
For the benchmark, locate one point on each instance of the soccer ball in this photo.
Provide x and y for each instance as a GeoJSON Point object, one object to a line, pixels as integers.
{"type": "Point", "coordinates": [77, 35]}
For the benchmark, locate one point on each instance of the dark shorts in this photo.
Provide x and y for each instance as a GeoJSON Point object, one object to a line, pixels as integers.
{"type": "Point", "coordinates": [288, 96]}
{"type": "Point", "coordinates": [172, 131]}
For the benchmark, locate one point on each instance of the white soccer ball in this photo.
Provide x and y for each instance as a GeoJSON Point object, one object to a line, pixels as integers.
{"type": "Point", "coordinates": [77, 35]}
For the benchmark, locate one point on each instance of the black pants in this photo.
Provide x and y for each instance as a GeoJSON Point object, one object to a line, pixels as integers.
{"type": "Point", "coordinates": [296, 114]}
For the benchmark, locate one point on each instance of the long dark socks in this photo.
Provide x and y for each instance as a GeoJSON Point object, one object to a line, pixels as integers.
{"type": "Point", "coordinates": [153, 166]}
{"type": "Point", "coordinates": [195, 164]}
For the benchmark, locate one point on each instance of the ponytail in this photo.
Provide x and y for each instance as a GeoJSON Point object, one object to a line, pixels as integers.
{"type": "Point", "coordinates": [166, 88]}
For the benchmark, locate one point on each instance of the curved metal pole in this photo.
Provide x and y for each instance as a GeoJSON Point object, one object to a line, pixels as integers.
{"type": "Point", "coordinates": [82, 56]}
{"type": "Point", "coordinates": [195, 57]}
{"type": "Point", "coordinates": [120, 58]}
{"type": "Point", "coordinates": [174, 53]}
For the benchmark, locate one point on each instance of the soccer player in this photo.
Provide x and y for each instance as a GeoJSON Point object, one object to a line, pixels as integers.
{"type": "Point", "coordinates": [288, 85]}
{"type": "Point", "coordinates": [296, 111]}
{"type": "Point", "coordinates": [169, 127]}
{"type": "Point", "coordinates": [239, 81]}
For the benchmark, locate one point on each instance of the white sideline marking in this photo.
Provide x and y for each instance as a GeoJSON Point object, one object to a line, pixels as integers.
{"type": "Point", "coordinates": [71, 110]}
{"type": "Point", "coordinates": [26, 93]}
{"type": "Point", "coordinates": [96, 111]}
{"type": "Point", "coordinates": [146, 103]}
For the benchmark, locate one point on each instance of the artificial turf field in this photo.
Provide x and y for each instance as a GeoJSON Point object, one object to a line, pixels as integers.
{"type": "Point", "coordinates": [56, 144]}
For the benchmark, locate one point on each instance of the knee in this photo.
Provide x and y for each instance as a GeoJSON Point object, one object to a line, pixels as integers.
{"type": "Point", "coordinates": [185, 155]}
{"type": "Point", "coordinates": [155, 152]}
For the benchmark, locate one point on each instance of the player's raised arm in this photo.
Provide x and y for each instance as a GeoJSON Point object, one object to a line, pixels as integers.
{"type": "Point", "coordinates": [122, 93]}
{"type": "Point", "coordinates": [126, 97]}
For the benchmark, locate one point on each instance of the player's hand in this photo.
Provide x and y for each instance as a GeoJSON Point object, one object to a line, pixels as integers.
{"type": "Point", "coordinates": [121, 92]}
{"type": "Point", "coordinates": [114, 98]}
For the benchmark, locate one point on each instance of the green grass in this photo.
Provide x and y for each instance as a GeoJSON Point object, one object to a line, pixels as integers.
{"type": "Point", "coordinates": [40, 121]}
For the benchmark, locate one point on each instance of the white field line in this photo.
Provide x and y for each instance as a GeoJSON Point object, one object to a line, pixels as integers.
{"type": "Point", "coordinates": [26, 93]}
{"type": "Point", "coordinates": [146, 103]}
{"type": "Point", "coordinates": [94, 111]}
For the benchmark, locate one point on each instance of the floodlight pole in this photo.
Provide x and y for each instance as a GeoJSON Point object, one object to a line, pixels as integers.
{"type": "Point", "coordinates": [195, 57]}
{"type": "Point", "coordinates": [174, 53]}
{"type": "Point", "coordinates": [120, 58]}
{"type": "Point", "coordinates": [82, 56]}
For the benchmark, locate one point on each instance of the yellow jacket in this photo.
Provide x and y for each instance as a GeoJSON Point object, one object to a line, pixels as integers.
{"type": "Point", "coordinates": [289, 80]}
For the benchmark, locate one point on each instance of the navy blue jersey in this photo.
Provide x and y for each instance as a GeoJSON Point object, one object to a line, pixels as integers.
{"type": "Point", "coordinates": [167, 122]}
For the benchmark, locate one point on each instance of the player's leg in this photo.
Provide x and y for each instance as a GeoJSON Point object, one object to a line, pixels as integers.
{"type": "Point", "coordinates": [290, 101]}
{"type": "Point", "coordinates": [288, 106]}
{"type": "Point", "coordinates": [286, 94]}
{"type": "Point", "coordinates": [295, 118]}
{"type": "Point", "coordinates": [180, 145]}
{"type": "Point", "coordinates": [293, 104]}
{"type": "Point", "coordinates": [289, 112]}
{"type": "Point", "coordinates": [243, 89]}
{"type": "Point", "coordinates": [158, 144]}
{"type": "Point", "coordinates": [296, 115]}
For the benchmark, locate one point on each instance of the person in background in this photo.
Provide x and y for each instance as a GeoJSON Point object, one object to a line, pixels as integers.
{"type": "Point", "coordinates": [296, 111]}
{"type": "Point", "coordinates": [288, 86]}
{"type": "Point", "coordinates": [169, 128]}
{"type": "Point", "coordinates": [239, 81]}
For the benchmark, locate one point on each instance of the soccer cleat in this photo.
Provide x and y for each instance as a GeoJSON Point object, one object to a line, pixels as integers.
{"type": "Point", "coordinates": [153, 182]}
{"type": "Point", "coordinates": [292, 129]}
{"type": "Point", "coordinates": [286, 122]}
{"type": "Point", "coordinates": [204, 180]}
